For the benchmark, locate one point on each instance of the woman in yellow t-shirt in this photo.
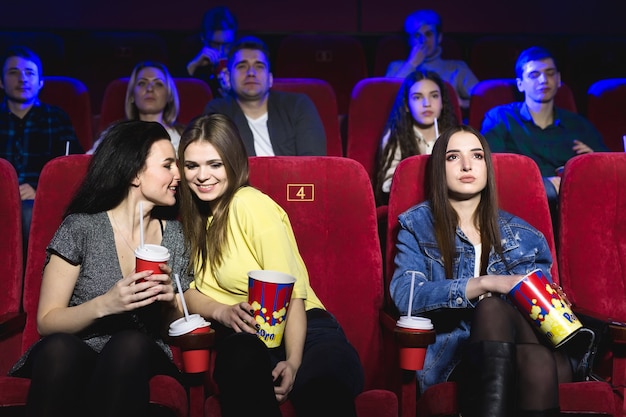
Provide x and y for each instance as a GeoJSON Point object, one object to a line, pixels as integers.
{"type": "Point", "coordinates": [233, 228]}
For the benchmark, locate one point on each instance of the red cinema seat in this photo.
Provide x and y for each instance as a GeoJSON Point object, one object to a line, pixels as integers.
{"type": "Point", "coordinates": [338, 59]}
{"type": "Point", "coordinates": [325, 100]}
{"type": "Point", "coordinates": [346, 274]}
{"type": "Point", "coordinates": [606, 110]}
{"type": "Point", "coordinates": [523, 196]}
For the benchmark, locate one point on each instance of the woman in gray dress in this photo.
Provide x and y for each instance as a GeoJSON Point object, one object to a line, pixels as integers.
{"type": "Point", "coordinates": [101, 320]}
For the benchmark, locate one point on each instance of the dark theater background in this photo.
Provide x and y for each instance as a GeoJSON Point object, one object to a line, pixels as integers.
{"type": "Point", "coordinates": [97, 41]}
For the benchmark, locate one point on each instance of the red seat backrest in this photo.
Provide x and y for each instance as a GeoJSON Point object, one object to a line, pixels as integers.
{"type": "Point", "coordinates": [11, 260]}
{"type": "Point", "coordinates": [370, 106]}
{"type": "Point", "coordinates": [58, 182]}
{"type": "Point", "coordinates": [488, 94]}
{"type": "Point", "coordinates": [336, 58]}
{"type": "Point", "coordinates": [193, 95]}
{"type": "Point", "coordinates": [330, 203]}
{"type": "Point", "coordinates": [606, 110]}
{"type": "Point", "coordinates": [72, 96]}
{"type": "Point", "coordinates": [521, 195]}
{"type": "Point", "coordinates": [11, 242]}
{"type": "Point", "coordinates": [323, 96]}
{"type": "Point", "coordinates": [592, 233]}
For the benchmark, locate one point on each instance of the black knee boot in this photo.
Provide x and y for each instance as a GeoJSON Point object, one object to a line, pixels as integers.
{"type": "Point", "coordinates": [487, 387]}
{"type": "Point", "coordinates": [553, 412]}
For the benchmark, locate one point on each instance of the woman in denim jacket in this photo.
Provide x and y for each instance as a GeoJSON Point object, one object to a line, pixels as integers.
{"type": "Point", "coordinates": [464, 254]}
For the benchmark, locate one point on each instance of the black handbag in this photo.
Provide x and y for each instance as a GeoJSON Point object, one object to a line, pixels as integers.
{"type": "Point", "coordinates": [587, 345]}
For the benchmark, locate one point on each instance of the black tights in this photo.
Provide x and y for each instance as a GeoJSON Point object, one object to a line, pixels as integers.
{"type": "Point", "coordinates": [539, 368]}
{"type": "Point", "coordinates": [328, 379]}
{"type": "Point", "coordinates": [68, 378]}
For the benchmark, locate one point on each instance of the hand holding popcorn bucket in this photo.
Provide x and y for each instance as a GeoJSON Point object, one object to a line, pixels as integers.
{"type": "Point", "coordinates": [269, 294]}
{"type": "Point", "coordinates": [536, 298]}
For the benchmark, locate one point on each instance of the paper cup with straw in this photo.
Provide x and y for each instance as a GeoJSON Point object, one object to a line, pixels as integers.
{"type": "Point", "coordinates": [195, 359]}
{"type": "Point", "coordinates": [413, 335]}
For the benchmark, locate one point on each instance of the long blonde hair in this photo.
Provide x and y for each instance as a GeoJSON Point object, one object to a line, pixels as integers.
{"type": "Point", "coordinates": [172, 107]}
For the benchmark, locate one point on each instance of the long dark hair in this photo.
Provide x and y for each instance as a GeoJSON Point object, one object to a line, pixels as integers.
{"type": "Point", "coordinates": [115, 164]}
{"type": "Point", "coordinates": [208, 245]}
{"type": "Point", "coordinates": [400, 124]}
{"type": "Point", "coordinates": [446, 218]}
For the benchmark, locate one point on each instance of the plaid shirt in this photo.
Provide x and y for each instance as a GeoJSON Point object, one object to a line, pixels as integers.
{"type": "Point", "coordinates": [30, 142]}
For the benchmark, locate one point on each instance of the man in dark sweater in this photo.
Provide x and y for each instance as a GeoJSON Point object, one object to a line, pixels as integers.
{"type": "Point", "coordinates": [270, 122]}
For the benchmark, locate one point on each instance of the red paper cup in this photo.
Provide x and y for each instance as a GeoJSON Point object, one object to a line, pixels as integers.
{"type": "Point", "coordinates": [221, 65]}
{"type": "Point", "coordinates": [412, 355]}
{"type": "Point", "coordinates": [269, 293]}
{"type": "Point", "coordinates": [149, 257]}
{"type": "Point", "coordinates": [194, 360]}
{"type": "Point", "coordinates": [543, 307]}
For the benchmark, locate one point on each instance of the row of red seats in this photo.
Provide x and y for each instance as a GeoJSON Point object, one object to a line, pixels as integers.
{"type": "Point", "coordinates": [342, 252]}
{"type": "Point", "coordinates": [370, 104]}
{"type": "Point", "coordinates": [340, 59]}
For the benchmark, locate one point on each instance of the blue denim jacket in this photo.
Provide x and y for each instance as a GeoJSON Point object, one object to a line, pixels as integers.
{"type": "Point", "coordinates": [442, 298]}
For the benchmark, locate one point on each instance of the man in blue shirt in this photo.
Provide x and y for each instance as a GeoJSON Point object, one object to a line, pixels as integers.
{"type": "Point", "coordinates": [31, 132]}
{"type": "Point", "coordinates": [536, 127]}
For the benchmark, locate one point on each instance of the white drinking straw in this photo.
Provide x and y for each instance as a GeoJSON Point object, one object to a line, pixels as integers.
{"type": "Point", "coordinates": [67, 147]}
{"type": "Point", "coordinates": [141, 224]}
{"type": "Point", "coordinates": [411, 293]}
{"type": "Point", "coordinates": [436, 129]}
{"type": "Point", "coordinates": [182, 299]}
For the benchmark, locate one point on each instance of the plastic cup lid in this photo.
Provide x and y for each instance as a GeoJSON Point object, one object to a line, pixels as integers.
{"type": "Point", "coordinates": [154, 253]}
{"type": "Point", "coordinates": [420, 323]}
{"type": "Point", "coordinates": [181, 326]}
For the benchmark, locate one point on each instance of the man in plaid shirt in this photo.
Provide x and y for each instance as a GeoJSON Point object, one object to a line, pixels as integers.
{"type": "Point", "coordinates": [31, 132]}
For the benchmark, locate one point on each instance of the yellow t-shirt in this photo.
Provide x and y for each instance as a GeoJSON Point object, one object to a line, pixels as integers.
{"type": "Point", "coordinates": [259, 237]}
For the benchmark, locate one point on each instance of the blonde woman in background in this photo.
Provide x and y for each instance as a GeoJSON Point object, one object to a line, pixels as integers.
{"type": "Point", "coordinates": [151, 96]}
